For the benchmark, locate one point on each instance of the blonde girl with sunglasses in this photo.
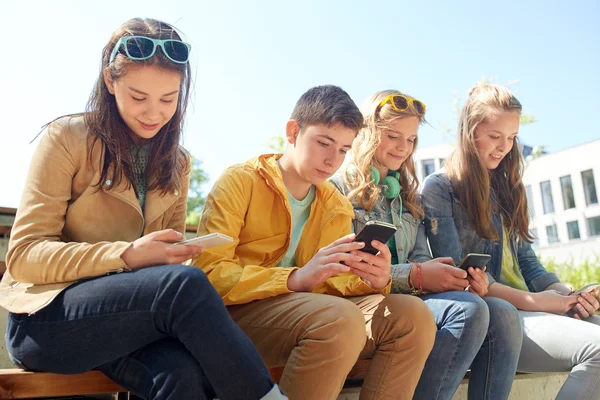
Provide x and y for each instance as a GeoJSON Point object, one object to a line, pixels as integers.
{"type": "Point", "coordinates": [479, 205]}
{"type": "Point", "coordinates": [380, 181]}
{"type": "Point", "coordinates": [94, 278]}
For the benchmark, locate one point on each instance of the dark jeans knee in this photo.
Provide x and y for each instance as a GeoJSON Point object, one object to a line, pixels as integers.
{"type": "Point", "coordinates": [164, 369]}
{"type": "Point", "coordinates": [505, 327]}
{"type": "Point", "coordinates": [183, 287]}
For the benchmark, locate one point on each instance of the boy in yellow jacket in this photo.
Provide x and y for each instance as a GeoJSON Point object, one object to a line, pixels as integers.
{"type": "Point", "coordinates": [294, 280]}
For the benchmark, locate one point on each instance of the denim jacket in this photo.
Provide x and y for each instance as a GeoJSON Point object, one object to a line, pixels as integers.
{"type": "Point", "coordinates": [451, 234]}
{"type": "Point", "coordinates": [413, 233]}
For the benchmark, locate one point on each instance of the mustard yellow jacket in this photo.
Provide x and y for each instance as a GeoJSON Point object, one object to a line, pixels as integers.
{"type": "Point", "coordinates": [66, 228]}
{"type": "Point", "coordinates": [249, 203]}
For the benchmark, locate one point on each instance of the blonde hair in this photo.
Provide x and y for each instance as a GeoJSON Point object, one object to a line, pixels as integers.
{"type": "Point", "coordinates": [357, 174]}
{"type": "Point", "coordinates": [484, 191]}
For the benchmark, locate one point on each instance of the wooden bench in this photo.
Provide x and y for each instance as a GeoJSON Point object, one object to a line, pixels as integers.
{"type": "Point", "coordinates": [19, 384]}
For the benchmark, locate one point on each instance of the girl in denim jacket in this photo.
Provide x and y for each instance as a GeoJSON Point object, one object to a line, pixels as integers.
{"type": "Point", "coordinates": [478, 205]}
{"type": "Point", "coordinates": [381, 183]}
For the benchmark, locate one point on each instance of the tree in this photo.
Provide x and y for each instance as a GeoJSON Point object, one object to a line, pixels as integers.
{"type": "Point", "coordinates": [196, 197]}
{"type": "Point", "coordinates": [276, 144]}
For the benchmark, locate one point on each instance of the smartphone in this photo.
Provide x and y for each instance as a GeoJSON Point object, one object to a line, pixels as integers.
{"type": "Point", "coordinates": [587, 288]}
{"type": "Point", "coordinates": [375, 230]}
{"type": "Point", "coordinates": [206, 241]}
{"type": "Point", "coordinates": [474, 260]}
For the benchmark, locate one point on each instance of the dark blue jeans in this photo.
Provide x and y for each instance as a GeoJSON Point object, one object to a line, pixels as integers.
{"type": "Point", "coordinates": [160, 332]}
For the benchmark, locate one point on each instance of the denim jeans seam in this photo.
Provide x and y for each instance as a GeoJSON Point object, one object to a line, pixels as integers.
{"type": "Point", "coordinates": [28, 321]}
{"type": "Point", "coordinates": [454, 354]}
{"type": "Point", "coordinates": [487, 389]}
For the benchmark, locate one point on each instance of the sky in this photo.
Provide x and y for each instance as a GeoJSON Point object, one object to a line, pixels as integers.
{"type": "Point", "coordinates": [252, 60]}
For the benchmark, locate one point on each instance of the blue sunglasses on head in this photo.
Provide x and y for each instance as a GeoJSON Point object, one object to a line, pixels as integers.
{"type": "Point", "coordinates": [142, 48]}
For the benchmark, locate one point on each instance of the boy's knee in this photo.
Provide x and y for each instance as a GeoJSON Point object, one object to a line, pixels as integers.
{"type": "Point", "coordinates": [343, 323]}
{"type": "Point", "coordinates": [413, 316]}
{"type": "Point", "coordinates": [417, 311]}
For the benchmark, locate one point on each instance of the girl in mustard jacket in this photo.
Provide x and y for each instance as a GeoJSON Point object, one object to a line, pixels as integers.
{"type": "Point", "coordinates": [94, 280]}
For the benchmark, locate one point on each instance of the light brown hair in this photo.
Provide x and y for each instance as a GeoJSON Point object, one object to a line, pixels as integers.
{"type": "Point", "coordinates": [480, 190]}
{"type": "Point", "coordinates": [357, 174]}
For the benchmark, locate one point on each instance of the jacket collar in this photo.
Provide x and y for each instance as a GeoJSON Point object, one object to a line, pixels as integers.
{"type": "Point", "coordinates": [156, 202]}
{"type": "Point", "coordinates": [267, 167]}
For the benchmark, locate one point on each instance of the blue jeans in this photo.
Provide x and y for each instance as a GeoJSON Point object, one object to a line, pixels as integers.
{"type": "Point", "coordinates": [472, 332]}
{"type": "Point", "coordinates": [493, 369]}
{"type": "Point", "coordinates": [160, 332]}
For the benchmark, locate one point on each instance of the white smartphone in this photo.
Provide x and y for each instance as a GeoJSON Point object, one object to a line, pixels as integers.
{"type": "Point", "coordinates": [587, 288]}
{"type": "Point", "coordinates": [206, 241]}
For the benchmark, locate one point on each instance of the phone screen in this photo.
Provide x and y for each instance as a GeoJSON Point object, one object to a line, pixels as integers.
{"type": "Point", "coordinates": [375, 231]}
{"type": "Point", "coordinates": [474, 260]}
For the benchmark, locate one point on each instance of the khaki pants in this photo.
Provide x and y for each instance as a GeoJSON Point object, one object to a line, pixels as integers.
{"type": "Point", "coordinates": [318, 339]}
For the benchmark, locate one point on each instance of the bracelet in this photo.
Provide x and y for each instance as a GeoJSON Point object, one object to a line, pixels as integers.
{"type": "Point", "coordinates": [418, 289]}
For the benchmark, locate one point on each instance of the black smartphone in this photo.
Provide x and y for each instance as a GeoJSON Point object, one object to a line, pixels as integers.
{"type": "Point", "coordinates": [375, 230]}
{"type": "Point", "coordinates": [474, 260]}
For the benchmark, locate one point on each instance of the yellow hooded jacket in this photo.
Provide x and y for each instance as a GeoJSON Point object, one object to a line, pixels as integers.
{"type": "Point", "coordinates": [249, 203]}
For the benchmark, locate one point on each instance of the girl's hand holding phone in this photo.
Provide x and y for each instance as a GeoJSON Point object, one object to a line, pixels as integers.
{"type": "Point", "coordinates": [587, 306]}
{"type": "Point", "coordinates": [158, 248]}
{"type": "Point", "coordinates": [478, 281]}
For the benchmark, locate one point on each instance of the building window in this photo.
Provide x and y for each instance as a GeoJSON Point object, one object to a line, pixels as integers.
{"type": "Point", "coordinates": [428, 167]}
{"type": "Point", "coordinates": [536, 241]}
{"type": "Point", "coordinates": [567, 192]}
{"type": "Point", "coordinates": [594, 226]}
{"type": "Point", "coordinates": [547, 197]}
{"type": "Point", "coordinates": [573, 230]}
{"type": "Point", "coordinates": [529, 194]}
{"type": "Point", "coordinates": [589, 187]}
{"type": "Point", "coordinates": [442, 162]}
{"type": "Point", "coordinates": [552, 234]}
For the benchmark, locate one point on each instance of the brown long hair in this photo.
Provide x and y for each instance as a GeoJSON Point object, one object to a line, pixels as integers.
{"type": "Point", "coordinates": [168, 161]}
{"type": "Point", "coordinates": [484, 191]}
{"type": "Point", "coordinates": [357, 175]}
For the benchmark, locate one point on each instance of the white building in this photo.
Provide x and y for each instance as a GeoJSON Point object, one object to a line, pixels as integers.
{"type": "Point", "coordinates": [563, 197]}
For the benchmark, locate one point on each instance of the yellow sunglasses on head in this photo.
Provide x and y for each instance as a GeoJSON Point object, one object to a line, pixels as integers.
{"type": "Point", "coordinates": [401, 102]}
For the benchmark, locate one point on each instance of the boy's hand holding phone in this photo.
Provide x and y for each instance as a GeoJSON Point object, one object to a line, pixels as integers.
{"type": "Point", "coordinates": [325, 264]}
{"type": "Point", "coordinates": [373, 269]}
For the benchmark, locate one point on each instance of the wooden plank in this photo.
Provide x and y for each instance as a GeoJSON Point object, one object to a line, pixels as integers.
{"type": "Point", "coordinates": [19, 384]}
{"type": "Point", "coordinates": [191, 228]}
{"type": "Point", "coordinates": [8, 211]}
